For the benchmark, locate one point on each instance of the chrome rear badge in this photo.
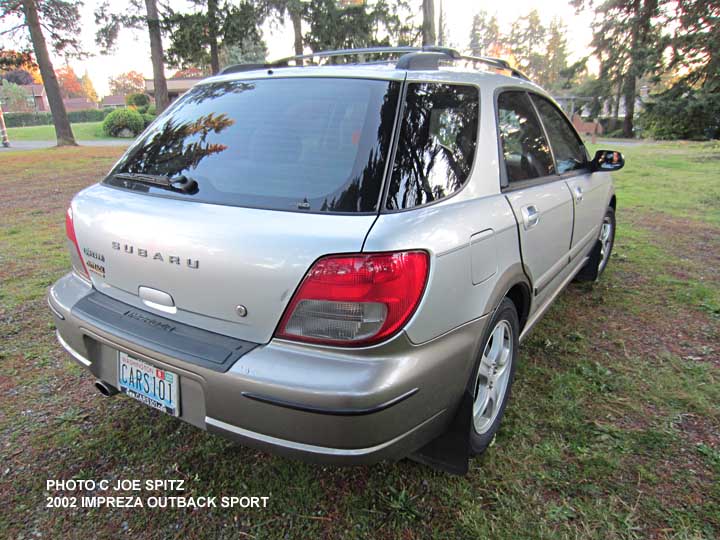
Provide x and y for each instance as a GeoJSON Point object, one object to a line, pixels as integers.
{"type": "Point", "coordinates": [94, 254]}
{"type": "Point", "coordinates": [129, 249]}
{"type": "Point", "coordinates": [98, 269]}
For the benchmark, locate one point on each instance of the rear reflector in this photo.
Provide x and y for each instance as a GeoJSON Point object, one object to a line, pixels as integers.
{"type": "Point", "coordinates": [355, 300]}
{"type": "Point", "coordinates": [75, 255]}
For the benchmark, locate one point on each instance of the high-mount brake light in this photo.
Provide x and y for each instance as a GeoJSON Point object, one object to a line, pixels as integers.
{"type": "Point", "coordinates": [76, 258]}
{"type": "Point", "coordinates": [355, 300]}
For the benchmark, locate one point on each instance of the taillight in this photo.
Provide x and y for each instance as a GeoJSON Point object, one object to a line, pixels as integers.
{"type": "Point", "coordinates": [354, 300]}
{"type": "Point", "coordinates": [75, 255]}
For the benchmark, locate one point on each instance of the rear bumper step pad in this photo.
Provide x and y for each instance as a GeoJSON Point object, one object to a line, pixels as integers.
{"type": "Point", "coordinates": [184, 342]}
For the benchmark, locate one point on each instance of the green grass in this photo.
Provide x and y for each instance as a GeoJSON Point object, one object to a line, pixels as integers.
{"type": "Point", "coordinates": [85, 131]}
{"type": "Point", "coordinates": [612, 431]}
{"type": "Point", "coordinates": [673, 178]}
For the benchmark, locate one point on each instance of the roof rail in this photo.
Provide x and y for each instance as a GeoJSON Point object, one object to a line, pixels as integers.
{"type": "Point", "coordinates": [427, 57]}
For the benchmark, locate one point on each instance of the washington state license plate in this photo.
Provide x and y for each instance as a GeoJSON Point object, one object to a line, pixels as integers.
{"type": "Point", "coordinates": [155, 387]}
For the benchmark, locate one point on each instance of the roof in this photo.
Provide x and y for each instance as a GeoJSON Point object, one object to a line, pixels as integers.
{"type": "Point", "coordinates": [79, 103]}
{"type": "Point", "coordinates": [117, 99]}
{"type": "Point", "coordinates": [430, 63]}
{"type": "Point", "coordinates": [35, 90]}
{"type": "Point", "coordinates": [448, 74]}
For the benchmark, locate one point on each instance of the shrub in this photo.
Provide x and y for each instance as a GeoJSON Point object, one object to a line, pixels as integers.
{"type": "Point", "coordinates": [121, 119]}
{"type": "Point", "coordinates": [137, 100]}
{"type": "Point", "coordinates": [23, 119]}
{"type": "Point", "coordinates": [147, 119]}
{"type": "Point", "coordinates": [87, 115]}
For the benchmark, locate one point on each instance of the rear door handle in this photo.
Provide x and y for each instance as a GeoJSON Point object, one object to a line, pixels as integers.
{"type": "Point", "coordinates": [578, 194]}
{"type": "Point", "coordinates": [530, 216]}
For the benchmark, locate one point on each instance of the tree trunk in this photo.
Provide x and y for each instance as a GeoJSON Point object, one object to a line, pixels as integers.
{"type": "Point", "coordinates": [629, 98]}
{"type": "Point", "coordinates": [63, 131]}
{"type": "Point", "coordinates": [212, 35]}
{"type": "Point", "coordinates": [441, 28]}
{"type": "Point", "coordinates": [428, 26]}
{"type": "Point", "coordinates": [297, 30]}
{"type": "Point", "coordinates": [156, 54]}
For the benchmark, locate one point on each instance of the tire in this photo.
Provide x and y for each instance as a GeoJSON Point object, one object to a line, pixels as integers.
{"type": "Point", "coordinates": [493, 375]}
{"type": "Point", "coordinates": [600, 255]}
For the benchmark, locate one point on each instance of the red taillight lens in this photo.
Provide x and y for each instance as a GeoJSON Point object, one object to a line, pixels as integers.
{"type": "Point", "coordinates": [75, 255]}
{"type": "Point", "coordinates": [356, 299]}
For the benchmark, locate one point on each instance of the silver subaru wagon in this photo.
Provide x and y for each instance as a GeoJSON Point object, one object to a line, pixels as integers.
{"type": "Point", "coordinates": [336, 262]}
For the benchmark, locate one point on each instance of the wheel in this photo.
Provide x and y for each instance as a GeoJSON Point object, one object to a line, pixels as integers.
{"type": "Point", "coordinates": [600, 255]}
{"type": "Point", "coordinates": [493, 375]}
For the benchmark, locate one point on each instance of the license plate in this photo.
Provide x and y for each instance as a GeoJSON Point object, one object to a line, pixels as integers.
{"type": "Point", "coordinates": [150, 385]}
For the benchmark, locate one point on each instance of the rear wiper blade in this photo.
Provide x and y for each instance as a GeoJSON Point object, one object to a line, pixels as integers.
{"type": "Point", "coordinates": [180, 183]}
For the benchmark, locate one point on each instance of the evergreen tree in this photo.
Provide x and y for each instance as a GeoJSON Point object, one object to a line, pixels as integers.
{"type": "Point", "coordinates": [333, 26]}
{"type": "Point", "coordinates": [527, 43]}
{"type": "Point", "coordinates": [484, 34]}
{"type": "Point", "coordinates": [196, 38]}
{"type": "Point", "coordinates": [629, 43]}
{"type": "Point", "coordinates": [690, 107]}
{"type": "Point", "coordinates": [556, 62]}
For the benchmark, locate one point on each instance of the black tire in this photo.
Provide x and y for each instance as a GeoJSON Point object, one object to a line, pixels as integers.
{"type": "Point", "coordinates": [597, 263]}
{"type": "Point", "coordinates": [505, 312]}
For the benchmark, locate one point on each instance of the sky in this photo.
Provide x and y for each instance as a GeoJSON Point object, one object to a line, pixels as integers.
{"type": "Point", "coordinates": [133, 49]}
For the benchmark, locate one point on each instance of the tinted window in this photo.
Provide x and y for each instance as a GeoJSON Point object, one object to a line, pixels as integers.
{"type": "Point", "coordinates": [436, 145]}
{"type": "Point", "coordinates": [525, 149]}
{"type": "Point", "coordinates": [293, 144]}
{"type": "Point", "coordinates": [568, 149]}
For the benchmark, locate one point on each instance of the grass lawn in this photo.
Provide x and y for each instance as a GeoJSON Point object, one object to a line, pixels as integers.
{"type": "Point", "coordinates": [84, 131]}
{"type": "Point", "coordinates": [613, 431]}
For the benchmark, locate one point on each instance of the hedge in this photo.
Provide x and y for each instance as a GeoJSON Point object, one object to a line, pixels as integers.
{"type": "Point", "coordinates": [22, 119]}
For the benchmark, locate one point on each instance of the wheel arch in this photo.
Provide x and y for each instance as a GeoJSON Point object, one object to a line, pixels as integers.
{"type": "Point", "coordinates": [513, 284]}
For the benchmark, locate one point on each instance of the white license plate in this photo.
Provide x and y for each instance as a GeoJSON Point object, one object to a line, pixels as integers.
{"type": "Point", "coordinates": [158, 388]}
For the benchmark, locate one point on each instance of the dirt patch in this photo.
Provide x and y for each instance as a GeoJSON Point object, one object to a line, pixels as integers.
{"type": "Point", "coordinates": [699, 430]}
{"type": "Point", "coordinates": [685, 238]}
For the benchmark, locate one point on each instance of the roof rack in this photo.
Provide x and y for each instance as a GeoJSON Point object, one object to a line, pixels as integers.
{"type": "Point", "coordinates": [413, 58]}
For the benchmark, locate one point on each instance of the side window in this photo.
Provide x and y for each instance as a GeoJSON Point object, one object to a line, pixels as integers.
{"type": "Point", "coordinates": [568, 148]}
{"type": "Point", "coordinates": [525, 149]}
{"type": "Point", "coordinates": [436, 145]}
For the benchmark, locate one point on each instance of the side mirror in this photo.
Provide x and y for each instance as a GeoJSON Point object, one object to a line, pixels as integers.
{"type": "Point", "coordinates": [607, 160]}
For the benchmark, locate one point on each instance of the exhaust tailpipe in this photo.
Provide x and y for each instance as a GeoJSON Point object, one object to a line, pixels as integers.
{"type": "Point", "coordinates": [105, 389]}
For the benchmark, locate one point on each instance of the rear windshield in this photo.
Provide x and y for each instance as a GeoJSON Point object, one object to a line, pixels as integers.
{"type": "Point", "coordinates": [307, 144]}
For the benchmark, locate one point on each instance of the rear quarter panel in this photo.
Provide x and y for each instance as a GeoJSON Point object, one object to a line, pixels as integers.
{"type": "Point", "coordinates": [449, 232]}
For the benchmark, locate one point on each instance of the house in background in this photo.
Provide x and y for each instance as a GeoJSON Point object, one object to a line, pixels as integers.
{"type": "Point", "coordinates": [79, 104]}
{"type": "Point", "coordinates": [37, 98]}
{"type": "Point", "coordinates": [178, 84]}
{"type": "Point", "coordinates": [113, 102]}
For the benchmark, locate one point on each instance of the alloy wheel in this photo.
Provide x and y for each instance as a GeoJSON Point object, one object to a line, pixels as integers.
{"type": "Point", "coordinates": [493, 375]}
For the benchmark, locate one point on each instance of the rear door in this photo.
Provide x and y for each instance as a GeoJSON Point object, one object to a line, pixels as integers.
{"type": "Point", "coordinates": [539, 198]}
{"type": "Point", "coordinates": [590, 191]}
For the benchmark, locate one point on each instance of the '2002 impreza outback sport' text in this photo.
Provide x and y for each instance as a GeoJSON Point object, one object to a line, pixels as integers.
{"type": "Point", "coordinates": [336, 262]}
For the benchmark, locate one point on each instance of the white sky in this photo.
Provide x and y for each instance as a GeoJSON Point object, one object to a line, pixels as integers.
{"type": "Point", "coordinates": [133, 50]}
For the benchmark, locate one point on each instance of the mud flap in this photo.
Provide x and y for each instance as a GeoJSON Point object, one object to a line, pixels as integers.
{"type": "Point", "coordinates": [450, 452]}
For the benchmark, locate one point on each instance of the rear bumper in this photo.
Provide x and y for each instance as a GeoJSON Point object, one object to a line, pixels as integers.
{"type": "Point", "coordinates": [316, 403]}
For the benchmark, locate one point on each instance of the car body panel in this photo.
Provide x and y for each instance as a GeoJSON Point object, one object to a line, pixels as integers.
{"type": "Point", "coordinates": [249, 257]}
{"type": "Point", "coordinates": [591, 195]}
{"type": "Point", "coordinates": [545, 245]}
